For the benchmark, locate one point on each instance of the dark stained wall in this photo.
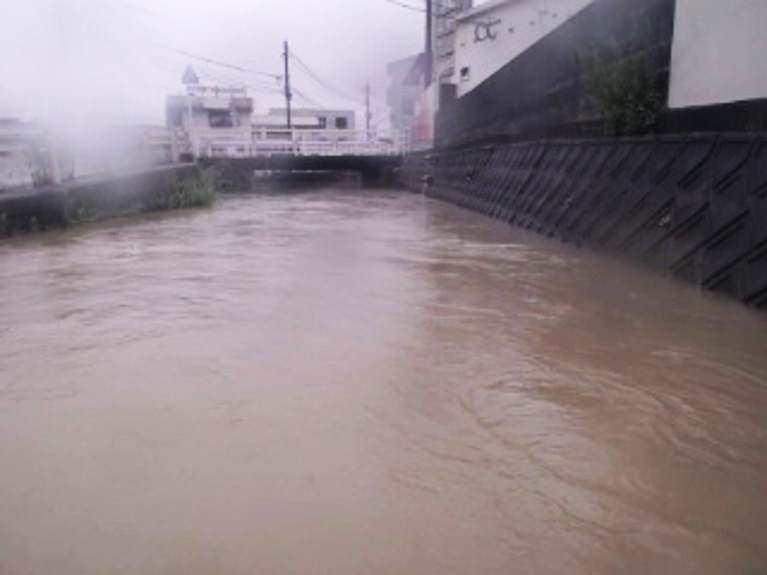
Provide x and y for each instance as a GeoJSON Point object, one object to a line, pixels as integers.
{"type": "Point", "coordinates": [543, 92]}
{"type": "Point", "coordinates": [693, 207]}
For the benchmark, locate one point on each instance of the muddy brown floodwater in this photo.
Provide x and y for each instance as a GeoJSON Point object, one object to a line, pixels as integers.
{"type": "Point", "coordinates": [369, 383]}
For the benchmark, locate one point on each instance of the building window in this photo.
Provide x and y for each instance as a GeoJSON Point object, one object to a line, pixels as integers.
{"type": "Point", "coordinates": [342, 123]}
{"type": "Point", "coordinates": [220, 119]}
{"type": "Point", "coordinates": [323, 122]}
{"type": "Point", "coordinates": [175, 118]}
{"type": "Point", "coordinates": [465, 74]}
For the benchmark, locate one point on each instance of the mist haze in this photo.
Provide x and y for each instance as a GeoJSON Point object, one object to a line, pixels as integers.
{"type": "Point", "coordinates": [86, 64]}
{"type": "Point", "coordinates": [470, 288]}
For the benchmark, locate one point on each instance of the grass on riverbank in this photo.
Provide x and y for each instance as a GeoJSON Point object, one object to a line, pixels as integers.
{"type": "Point", "coordinates": [192, 191]}
{"type": "Point", "coordinates": [90, 202]}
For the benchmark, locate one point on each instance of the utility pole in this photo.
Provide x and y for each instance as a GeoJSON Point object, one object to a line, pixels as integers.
{"type": "Point", "coordinates": [428, 48]}
{"type": "Point", "coordinates": [368, 114]}
{"type": "Point", "coordinates": [288, 94]}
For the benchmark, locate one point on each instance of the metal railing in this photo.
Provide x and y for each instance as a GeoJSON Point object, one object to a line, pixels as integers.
{"type": "Point", "coordinates": [239, 142]}
{"type": "Point", "coordinates": [30, 156]}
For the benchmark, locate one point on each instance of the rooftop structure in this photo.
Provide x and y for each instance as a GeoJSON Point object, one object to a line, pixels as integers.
{"type": "Point", "coordinates": [216, 121]}
{"type": "Point", "coordinates": [207, 114]}
{"type": "Point", "coordinates": [209, 107]}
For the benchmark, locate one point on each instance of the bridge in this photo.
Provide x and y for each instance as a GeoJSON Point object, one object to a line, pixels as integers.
{"type": "Point", "coordinates": [239, 173]}
{"type": "Point", "coordinates": [30, 158]}
{"type": "Point", "coordinates": [240, 154]}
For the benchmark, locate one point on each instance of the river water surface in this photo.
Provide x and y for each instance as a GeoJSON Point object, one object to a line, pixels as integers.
{"type": "Point", "coordinates": [369, 383]}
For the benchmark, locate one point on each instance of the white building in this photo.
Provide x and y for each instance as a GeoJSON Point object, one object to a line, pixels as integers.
{"type": "Point", "coordinates": [220, 122]}
{"type": "Point", "coordinates": [312, 130]}
{"type": "Point", "coordinates": [312, 119]}
{"type": "Point", "coordinates": [718, 52]}
{"type": "Point", "coordinates": [211, 117]}
{"type": "Point", "coordinates": [495, 33]}
{"type": "Point", "coordinates": [216, 121]}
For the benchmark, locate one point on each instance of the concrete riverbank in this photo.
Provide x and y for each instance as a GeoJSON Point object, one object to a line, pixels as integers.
{"type": "Point", "coordinates": [163, 188]}
{"type": "Point", "coordinates": [180, 185]}
{"type": "Point", "coordinates": [694, 207]}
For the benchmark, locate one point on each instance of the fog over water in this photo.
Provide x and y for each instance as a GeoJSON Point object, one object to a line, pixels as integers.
{"type": "Point", "coordinates": [358, 382]}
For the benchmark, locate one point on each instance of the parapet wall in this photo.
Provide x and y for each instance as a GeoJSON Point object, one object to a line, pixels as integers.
{"type": "Point", "coordinates": [58, 206]}
{"type": "Point", "coordinates": [694, 207]}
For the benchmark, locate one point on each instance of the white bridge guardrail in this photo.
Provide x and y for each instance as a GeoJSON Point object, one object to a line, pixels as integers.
{"type": "Point", "coordinates": [31, 156]}
{"type": "Point", "coordinates": [238, 143]}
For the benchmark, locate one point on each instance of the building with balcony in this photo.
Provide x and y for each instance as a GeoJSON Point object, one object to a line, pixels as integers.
{"type": "Point", "coordinates": [205, 107]}
{"type": "Point", "coordinates": [214, 121]}
{"type": "Point", "coordinates": [212, 117]}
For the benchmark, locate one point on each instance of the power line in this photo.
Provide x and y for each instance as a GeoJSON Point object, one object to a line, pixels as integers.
{"type": "Point", "coordinates": [218, 63]}
{"type": "Point", "coordinates": [97, 30]}
{"type": "Point", "coordinates": [341, 93]}
{"type": "Point", "coordinates": [135, 8]}
{"type": "Point", "coordinates": [406, 6]}
{"type": "Point", "coordinates": [224, 76]}
{"type": "Point", "coordinates": [306, 98]}
{"type": "Point", "coordinates": [251, 87]}
{"type": "Point", "coordinates": [220, 77]}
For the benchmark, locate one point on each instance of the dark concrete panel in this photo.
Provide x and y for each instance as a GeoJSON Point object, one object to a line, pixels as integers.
{"type": "Point", "coordinates": [694, 207]}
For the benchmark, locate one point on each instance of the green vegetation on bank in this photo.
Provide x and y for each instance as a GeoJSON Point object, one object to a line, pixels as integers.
{"type": "Point", "coordinates": [624, 82]}
{"type": "Point", "coordinates": [625, 92]}
{"type": "Point", "coordinates": [76, 204]}
{"type": "Point", "coordinates": [192, 191]}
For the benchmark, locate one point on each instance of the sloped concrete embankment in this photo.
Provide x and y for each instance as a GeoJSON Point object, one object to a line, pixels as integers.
{"type": "Point", "coordinates": [692, 207]}
{"type": "Point", "coordinates": [58, 206]}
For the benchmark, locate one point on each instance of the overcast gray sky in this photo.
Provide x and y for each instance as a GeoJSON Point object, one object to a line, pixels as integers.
{"type": "Point", "coordinates": [81, 62]}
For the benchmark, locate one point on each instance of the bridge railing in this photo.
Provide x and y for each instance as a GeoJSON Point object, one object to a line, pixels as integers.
{"type": "Point", "coordinates": [239, 143]}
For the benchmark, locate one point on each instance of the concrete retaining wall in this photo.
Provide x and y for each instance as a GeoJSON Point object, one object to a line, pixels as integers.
{"type": "Point", "coordinates": [58, 206]}
{"type": "Point", "coordinates": [693, 207]}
